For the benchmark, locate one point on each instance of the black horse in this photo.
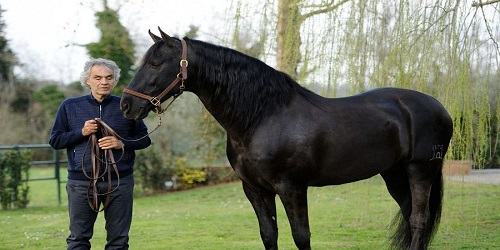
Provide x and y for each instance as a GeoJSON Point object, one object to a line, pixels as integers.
{"type": "Point", "coordinates": [282, 138]}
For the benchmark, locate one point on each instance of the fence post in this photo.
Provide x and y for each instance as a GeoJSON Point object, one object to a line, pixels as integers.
{"type": "Point", "coordinates": [57, 175]}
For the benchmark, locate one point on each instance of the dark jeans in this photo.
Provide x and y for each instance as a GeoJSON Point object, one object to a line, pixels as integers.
{"type": "Point", "coordinates": [118, 214]}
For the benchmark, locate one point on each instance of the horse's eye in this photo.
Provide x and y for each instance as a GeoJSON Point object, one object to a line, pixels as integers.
{"type": "Point", "coordinates": [155, 65]}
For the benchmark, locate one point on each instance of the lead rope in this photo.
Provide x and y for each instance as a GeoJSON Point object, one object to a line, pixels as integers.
{"type": "Point", "coordinates": [109, 163]}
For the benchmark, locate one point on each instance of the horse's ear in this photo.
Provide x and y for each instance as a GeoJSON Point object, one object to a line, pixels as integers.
{"type": "Point", "coordinates": [155, 37]}
{"type": "Point", "coordinates": [166, 38]}
{"type": "Point", "coordinates": [163, 34]}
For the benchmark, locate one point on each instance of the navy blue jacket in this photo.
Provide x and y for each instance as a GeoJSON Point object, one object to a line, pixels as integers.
{"type": "Point", "coordinates": [67, 133]}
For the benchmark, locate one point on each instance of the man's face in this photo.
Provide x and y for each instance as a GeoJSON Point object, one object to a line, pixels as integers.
{"type": "Point", "coordinates": [101, 81]}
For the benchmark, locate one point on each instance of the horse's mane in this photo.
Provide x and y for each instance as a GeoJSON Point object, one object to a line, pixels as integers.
{"type": "Point", "coordinates": [250, 89]}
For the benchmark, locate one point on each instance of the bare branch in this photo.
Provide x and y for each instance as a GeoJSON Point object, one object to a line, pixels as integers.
{"type": "Point", "coordinates": [325, 10]}
{"type": "Point", "coordinates": [481, 3]}
{"type": "Point", "coordinates": [323, 5]}
{"type": "Point", "coordinates": [488, 28]}
{"type": "Point", "coordinates": [431, 25]}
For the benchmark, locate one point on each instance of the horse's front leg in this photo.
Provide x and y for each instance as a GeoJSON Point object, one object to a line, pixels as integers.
{"type": "Point", "coordinates": [263, 202]}
{"type": "Point", "coordinates": [294, 199]}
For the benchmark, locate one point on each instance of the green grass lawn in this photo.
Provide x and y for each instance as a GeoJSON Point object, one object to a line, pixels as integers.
{"type": "Point", "coordinates": [351, 216]}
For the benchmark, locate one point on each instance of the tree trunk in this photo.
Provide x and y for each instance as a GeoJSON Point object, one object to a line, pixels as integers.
{"type": "Point", "coordinates": [289, 39]}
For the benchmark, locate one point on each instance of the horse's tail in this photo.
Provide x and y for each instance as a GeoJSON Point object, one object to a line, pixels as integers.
{"type": "Point", "coordinates": [402, 236]}
{"type": "Point", "coordinates": [435, 205]}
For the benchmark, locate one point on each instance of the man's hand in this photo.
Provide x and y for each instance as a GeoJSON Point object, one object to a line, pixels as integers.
{"type": "Point", "coordinates": [110, 142]}
{"type": "Point", "coordinates": [89, 127]}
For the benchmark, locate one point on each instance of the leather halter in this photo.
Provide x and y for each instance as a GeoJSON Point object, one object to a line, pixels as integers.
{"type": "Point", "coordinates": [180, 78]}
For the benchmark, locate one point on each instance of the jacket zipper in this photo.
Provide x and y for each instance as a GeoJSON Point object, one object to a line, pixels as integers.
{"type": "Point", "coordinates": [100, 116]}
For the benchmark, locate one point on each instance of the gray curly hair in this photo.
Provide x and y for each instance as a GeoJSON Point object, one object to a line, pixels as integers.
{"type": "Point", "coordinates": [84, 76]}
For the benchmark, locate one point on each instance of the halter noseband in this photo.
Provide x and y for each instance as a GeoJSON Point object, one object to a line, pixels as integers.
{"type": "Point", "coordinates": [181, 76]}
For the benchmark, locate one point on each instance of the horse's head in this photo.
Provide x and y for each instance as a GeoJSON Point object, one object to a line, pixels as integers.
{"type": "Point", "coordinates": [160, 76]}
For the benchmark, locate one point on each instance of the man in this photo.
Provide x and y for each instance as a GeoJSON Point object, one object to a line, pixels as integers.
{"type": "Point", "coordinates": [74, 124]}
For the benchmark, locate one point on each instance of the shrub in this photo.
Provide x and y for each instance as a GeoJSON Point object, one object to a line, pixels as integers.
{"type": "Point", "coordinates": [14, 173]}
{"type": "Point", "coordinates": [189, 177]}
{"type": "Point", "coordinates": [159, 172]}
{"type": "Point", "coordinates": [151, 171]}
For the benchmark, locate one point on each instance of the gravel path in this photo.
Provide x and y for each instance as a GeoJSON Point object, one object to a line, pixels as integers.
{"type": "Point", "coordinates": [487, 176]}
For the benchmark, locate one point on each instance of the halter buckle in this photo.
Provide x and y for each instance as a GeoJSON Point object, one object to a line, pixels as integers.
{"type": "Point", "coordinates": [184, 63]}
{"type": "Point", "coordinates": [155, 101]}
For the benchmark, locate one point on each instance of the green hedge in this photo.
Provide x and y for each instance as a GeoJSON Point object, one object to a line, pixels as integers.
{"type": "Point", "coordinates": [14, 173]}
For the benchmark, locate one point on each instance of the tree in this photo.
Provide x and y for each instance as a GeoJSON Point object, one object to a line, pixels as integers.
{"type": "Point", "coordinates": [115, 44]}
{"type": "Point", "coordinates": [23, 95]}
{"type": "Point", "coordinates": [7, 58]}
{"type": "Point", "coordinates": [289, 39]}
{"type": "Point", "coordinates": [50, 97]}
{"type": "Point", "coordinates": [242, 41]}
{"type": "Point", "coordinates": [192, 32]}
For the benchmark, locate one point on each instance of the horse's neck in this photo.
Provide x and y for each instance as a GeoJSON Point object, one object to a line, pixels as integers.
{"type": "Point", "coordinates": [228, 110]}
{"type": "Point", "coordinates": [237, 103]}
{"type": "Point", "coordinates": [221, 109]}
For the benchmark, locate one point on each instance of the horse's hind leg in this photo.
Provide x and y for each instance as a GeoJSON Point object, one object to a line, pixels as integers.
{"type": "Point", "coordinates": [396, 180]}
{"type": "Point", "coordinates": [294, 200]}
{"type": "Point", "coordinates": [426, 190]}
{"type": "Point", "coordinates": [264, 204]}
